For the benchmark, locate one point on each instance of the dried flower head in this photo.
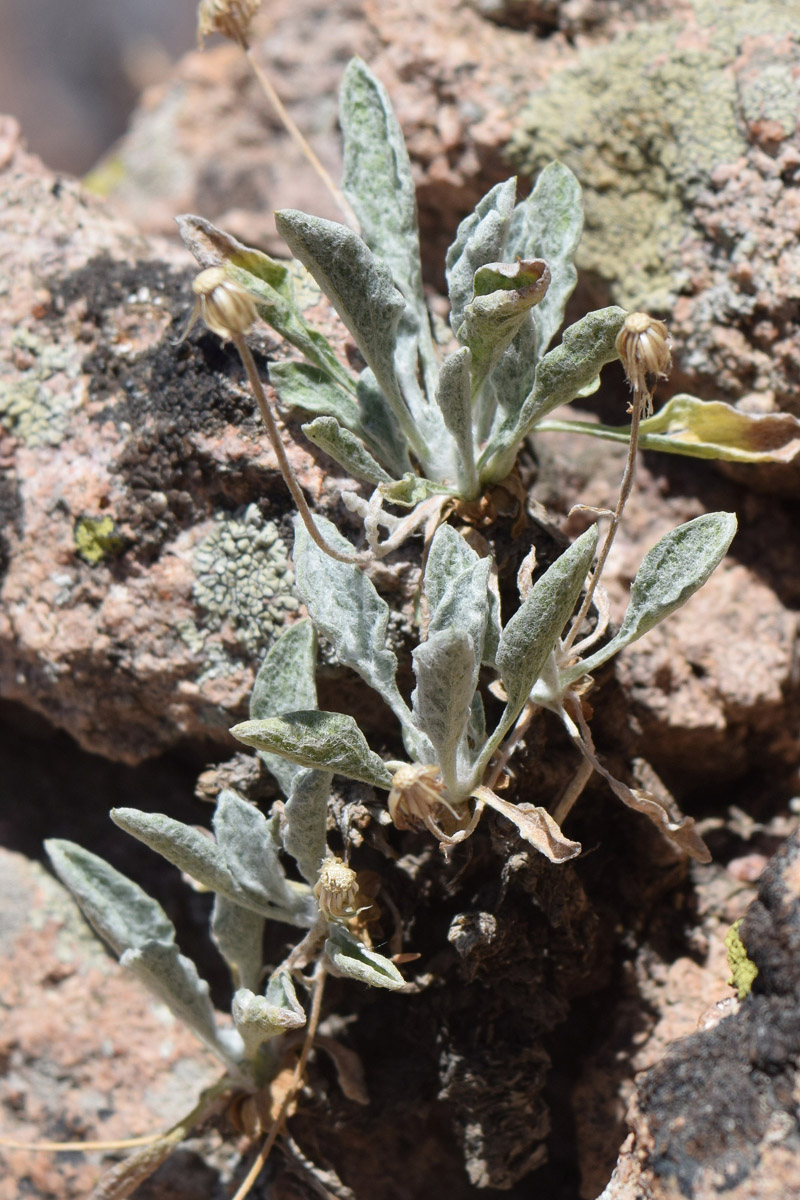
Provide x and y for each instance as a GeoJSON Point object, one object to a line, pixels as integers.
{"type": "Point", "coordinates": [644, 349]}
{"type": "Point", "coordinates": [224, 306]}
{"type": "Point", "coordinates": [231, 18]}
{"type": "Point", "coordinates": [336, 889]}
{"type": "Point", "coordinates": [419, 798]}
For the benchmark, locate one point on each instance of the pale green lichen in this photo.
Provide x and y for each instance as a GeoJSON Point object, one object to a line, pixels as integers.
{"type": "Point", "coordinates": [643, 122]}
{"type": "Point", "coordinates": [743, 969]}
{"type": "Point", "coordinates": [243, 580]}
{"type": "Point", "coordinates": [96, 538]}
{"type": "Point", "coordinates": [36, 404]}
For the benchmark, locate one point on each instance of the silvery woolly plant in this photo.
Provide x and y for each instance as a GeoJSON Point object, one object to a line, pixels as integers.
{"type": "Point", "coordinates": [421, 427]}
{"type": "Point", "coordinates": [241, 864]}
{"type": "Point", "coordinates": [454, 763]}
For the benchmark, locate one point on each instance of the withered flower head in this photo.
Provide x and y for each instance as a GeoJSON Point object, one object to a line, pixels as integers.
{"type": "Point", "coordinates": [231, 18]}
{"type": "Point", "coordinates": [224, 306]}
{"type": "Point", "coordinates": [419, 798]}
{"type": "Point", "coordinates": [336, 889]}
{"type": "Point", "coordinates": [644, 350]}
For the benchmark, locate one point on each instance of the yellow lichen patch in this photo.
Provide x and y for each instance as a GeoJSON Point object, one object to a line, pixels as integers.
{"type": "Point", "coordinates": [743, 969]}
{"type": "Point", "coordinates": [96, 538]}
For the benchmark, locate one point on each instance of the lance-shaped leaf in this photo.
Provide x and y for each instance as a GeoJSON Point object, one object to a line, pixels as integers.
{"type": "Point", "coordinates": [504, 293]}
{"type": "Point", "coordinates": [329, 740]}
{"type": "Point", "coordinates": [379, 425]}
{"type": "Point", "coordinates": [561, 375]}
{"type": "Point", "coordinates": [705, 429]}
{"type": "Point", "coordinates": [286, 681]}
{"type": "Point", "coordinates": [670, 573]}
{"type": "Point", "coordinates": [548, 225]}
{"type": "Point", "coordinates": [535, 826]}
{"type": "Point", "coordinates": [239, 935]}
{"type": "Point", "coordinates": [480, 239]}
{"type": "Point", "coordinates": [270, 283]}
{"type": "Point", "coordinates": [377, 180]}
{"type": "Point", "coordinates": [349, 957]}
{"type": "Point", "coordinates": [174, 979]}
{"type": "Point", "coordinates": [411, 490]}
{"type": "Point", "coordinates": [260, 1018]}
{"type": "Point", "coordinates": [529, 637]}
{"type": "Point", "coordinates": [346, 449]}
{"type": "Point", "coordinates": [201, 858]}
{"type": "Point", "coordinates": [300, 385]}
{"type": "Point", "coordinates": [248, 851]}
{"type": "Point", "coordinates": [446, 674]}
{"type": "Point", "coordinates": [453, 584]}
{"type": "Point", "coordinates": [347, 609]}
{"type": "Point", "coordinates": [116, 907]}
{"type": "Point", "coordinates": [454, 397]}
{"type": "Point", "coordinates": [305, 821]}
{"type": "Point", "coordinates": [360, 288]}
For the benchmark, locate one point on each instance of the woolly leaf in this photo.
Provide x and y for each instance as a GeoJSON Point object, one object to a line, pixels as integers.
{"type": "Point", "coordinates": [351, 958]}
{"type": "Point", "coordinates": [239, 935]}
{"type": "Point", "coordinates": [346, 449]}
{"type": "Point", "coordinates": [286, 680]}
{"type": "Point", "coordinates": [670, 573]}
{"type": "Point", "coordinates": [305, 821]}
{"type": "Point", "coordinates": [329, 740]}
{"type": "Point", "coordinates": [454, 397]}
{"type": "Point", "coordinates": [529, 637]}
{"type": "Point", "coordinates": [300, 385]}
{"type": "Point", "coordinates": [260, 1018]}
{"type": "Point", "coordinates": [480, 239]}
{"type": "Point", "coordinates": [504, 293]}
{"type": "Point", "coordinates": [248, 851]}
{"type": "Point", "coordinates": [446, 674]}
{"type": "Point", "coordinates": [347, 609]}
{"type": "Point", "coordinates": [116, 907]}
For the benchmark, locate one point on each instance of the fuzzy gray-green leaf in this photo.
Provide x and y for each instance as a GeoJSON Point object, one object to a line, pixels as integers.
{"type": "Point", "coordinates": [117, 908]}
{"type": "Point", "coordinates": [346, 449]}
{"type": "Point", "coordinates": [379, 425]}
{"type": "Point", "coordinates": [504, 294]}
{"type": "Point", "coordinates": [548, 224]}
{"type": "Point", "coordinates": [446, 672]}
{"type": "Point", "coordinates": [174, 979]}
{"type": "Point", "coordinates": [300, 385]}
{"type": "Point", "coordinates": [530, 636]}
{"type": "Point", "coordinates": [360, 288]}
{"type": "Point", "coordinates": [347, 609]}
{"type": "Point", "coordinates": [305, 821]}
{"type": "Point", "coordinates": [670, 573]}
{"type": "Point", "coordinates": [480, 239]}
{"type": "Point", "coordinates": [584, 350]}
{"type": "Point", "coordinates": [239, 935]}
{"type": "Point", "coordinates": [377, 180]}
{"type": "Point", "coordinates": [258, 1018]}
{"type": "Point", "coordinates": [354, 960]}
{"type": "Point", "coordinates": [454, 397]}
{"type": "Point", "coordinates": [248, 851]}
{"type": "Point", "coordinates": [328, 740]}
{"type": "Point", "coordinates": [286, 680]}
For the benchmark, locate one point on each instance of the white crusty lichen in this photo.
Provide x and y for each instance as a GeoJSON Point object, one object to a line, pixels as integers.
{"type": "Point", "coordinates": [243, 579]}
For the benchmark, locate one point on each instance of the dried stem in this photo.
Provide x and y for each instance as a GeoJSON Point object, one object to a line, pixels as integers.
{"type": "Point", "coordinates": [300, 141]}
{"type": "Point", "coordinates": [283, 462]}
{"type": "Point", "coordinates": [320, 974]}
{"type": "Point", "coordinates": [640, 399]}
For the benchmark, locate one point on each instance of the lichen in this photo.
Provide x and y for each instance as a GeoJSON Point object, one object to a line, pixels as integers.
{"type": "Point", "coordinates": [36, 404]}
{"type": "Point", "coordinates": [243, 580]}
{"type": "Point", "coordinates": [743, 969]}
{"type": "Point", "coordinates": [96, 538]}
{"type": "Point", "coordinates": [643, 122]}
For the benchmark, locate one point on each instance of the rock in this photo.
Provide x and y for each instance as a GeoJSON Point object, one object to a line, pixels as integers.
{"type": "Point", "coordinates": [146, 533]}
{"type": "Point", "coordinates": [717, 1113]}
{"type": "Point", "coordinates": [86, 1053]}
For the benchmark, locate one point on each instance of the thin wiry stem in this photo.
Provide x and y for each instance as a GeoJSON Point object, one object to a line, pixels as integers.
{"type": "Point", "coordinates": [639, 401]}
{"type": "Point", "coordinates": [283, 461]}
{"type": "Point", "coordinates": [297, 1082]}
{"type": "Point", "coordinates": [300, 141]}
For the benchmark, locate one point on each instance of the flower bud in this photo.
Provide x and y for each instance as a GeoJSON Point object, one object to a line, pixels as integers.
{"type": "Point", "coordinates": [226, 307]}
{"type": "Point", "coordinates": [644, 350]}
